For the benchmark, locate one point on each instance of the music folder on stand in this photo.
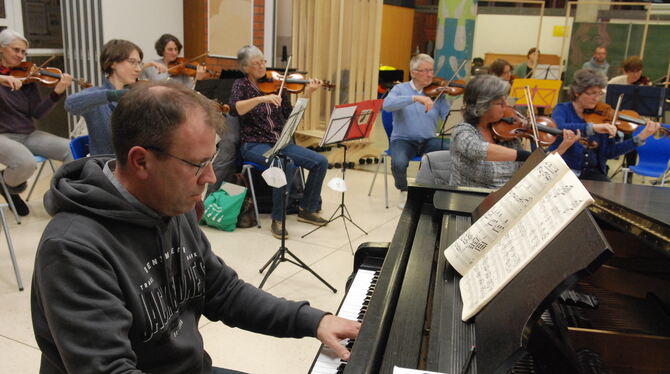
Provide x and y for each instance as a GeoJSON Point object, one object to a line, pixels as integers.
{"type": "Point", "coordinates": [275, 153]}
{"type": "Point", "coordinates": [349, 122]}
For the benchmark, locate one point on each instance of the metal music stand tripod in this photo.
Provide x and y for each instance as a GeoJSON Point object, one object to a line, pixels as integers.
{"type": "Point", "coordinates": [342, 208]}
{"type": "Point", "coordinates": [275, 152]}
{"type": "Point", "coordinates": [349, 122]}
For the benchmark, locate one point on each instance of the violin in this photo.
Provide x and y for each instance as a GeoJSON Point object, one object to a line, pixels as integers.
{"type": "Point", "coordinates": [293, 83]}
{"type": "Point", "coordinates": [181, 66]}
{"type": "Point", "coordinates": [441, 86]}
{"type": "Point", "coordinates": [627, 121]}
{"type": "Point", "coordinates": [28, 72]}
{"type": "Point", "coordinates": [515, 125]}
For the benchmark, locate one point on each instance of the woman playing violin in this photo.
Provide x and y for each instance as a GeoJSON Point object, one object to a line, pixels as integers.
{"type": "Point", "coordinates": [502, 69]}
{"type": "Point", "coordinates": [20, 104]}
{"type": "Point", "coordinates": [415, 120]}
{"type": "Point", "coordinates": [478, 158]}
{"type": "Point", "coordinates": [632, 73]}
{"type": "Point", "coordinates": [262, 118]}
{"type": "Point", "coordinates": [585, 92]}
{"type": "Point", "coordinates": [121, 62]}
{"type": "Point", "coordinates": [169, 48]}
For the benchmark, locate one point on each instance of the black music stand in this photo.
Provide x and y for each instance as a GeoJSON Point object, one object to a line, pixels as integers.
{"type": "Point", "coordinates": [645, 100]}
{"type": "Point", "coordinates": [275, 153]}
{"type": "Point", "coordinates": [349, 122]}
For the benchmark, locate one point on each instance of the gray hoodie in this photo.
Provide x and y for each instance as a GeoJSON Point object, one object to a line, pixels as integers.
{"type": "Point", "coordinates": [119, 289]}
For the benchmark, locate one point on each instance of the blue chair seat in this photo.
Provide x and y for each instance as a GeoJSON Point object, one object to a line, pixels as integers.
{"type": "Point", "coordinates": [653, 158]}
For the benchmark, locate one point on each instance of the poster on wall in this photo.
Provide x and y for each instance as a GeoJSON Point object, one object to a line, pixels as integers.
{"type": "Point", "coordinates": [229, 29]}
{"type": "Point", "coordinates": [454, 36]}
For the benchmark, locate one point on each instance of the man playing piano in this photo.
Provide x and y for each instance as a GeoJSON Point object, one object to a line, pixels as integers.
{"type": "Point", "coordinates": [123, 273]}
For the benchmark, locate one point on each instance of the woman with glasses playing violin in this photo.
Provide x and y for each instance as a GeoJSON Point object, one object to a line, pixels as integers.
{"type": "Point", "coordinates": [169, 48]}
{"type": "Point", "coordinates": [262, 118]}
{"type": "Point", "coordinates": [478, 157]}
{"type": "Point", "coordinates": [20, 104]}
{"type": "Point", "coordinates": [585, 92]}
{"type": "Point", "coordinates": [121, 62]}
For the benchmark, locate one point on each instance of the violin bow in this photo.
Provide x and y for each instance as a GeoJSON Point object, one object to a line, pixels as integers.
{"type": "Point", "coordinates": [616, 110]}
{"type": "Point", "coordinates": [451, 79]}
{"type": "Point", "coordinates": [288, 63]}
{"type": "Point", "coordinates": [189, 61]}
{"type": "Point", "coordinates": [36, 70]}
{"type": "Point", "coordinates": [531, 115]}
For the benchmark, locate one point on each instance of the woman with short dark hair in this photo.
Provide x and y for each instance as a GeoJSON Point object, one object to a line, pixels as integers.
{"type": "Point", "coordinates": [169, 48]}
{"type": "Point", "coordinates": [525, 69]}
{"type": "Point", "coordinates": [632, 73]}
{"type": "Point", "coordinates": [585, 92]}
{"type": "Point", "coordinates": [502, 69]}
{"type": "Point", "coordinates": [121, 61]}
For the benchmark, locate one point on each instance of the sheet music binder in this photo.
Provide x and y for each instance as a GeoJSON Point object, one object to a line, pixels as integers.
{"type": "Point", "coordinates": [504, 325]}
{"type": "Point", "coordinates": [352, 121]}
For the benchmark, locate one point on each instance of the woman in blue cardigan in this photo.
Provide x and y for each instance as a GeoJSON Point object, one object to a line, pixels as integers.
{"type": "Point", "coordinates": [585, 91]}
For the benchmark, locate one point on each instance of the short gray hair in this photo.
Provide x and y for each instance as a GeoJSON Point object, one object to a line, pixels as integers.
{"type": "Point", "coordinates": [246, 54]}
{"type": "Point", "coordinates": [478, 95]}
{"type": "Point", "coordinates": [7, 36]}
{"type": "Point", "coordinates": [584, 79]}
{"type": "Point", "coordinates": [416, 60]}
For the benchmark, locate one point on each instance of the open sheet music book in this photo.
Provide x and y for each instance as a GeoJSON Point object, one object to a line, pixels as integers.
{"type": "Point", "coordinates": [510, 234]}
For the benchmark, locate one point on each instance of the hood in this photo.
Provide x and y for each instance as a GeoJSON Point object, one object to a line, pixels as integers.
{"type": "Point", "coordinates": [82, 187]}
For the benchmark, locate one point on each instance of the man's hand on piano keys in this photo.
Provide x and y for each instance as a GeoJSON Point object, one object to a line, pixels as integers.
{"type": "Point", "coordinates": [332, 329]}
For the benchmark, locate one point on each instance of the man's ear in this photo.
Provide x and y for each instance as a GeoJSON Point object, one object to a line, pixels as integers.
{"type": "Point", "coordinates": [138, 162]}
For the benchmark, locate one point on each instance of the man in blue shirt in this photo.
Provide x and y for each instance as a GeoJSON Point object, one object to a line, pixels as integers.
{"type": "Point", "coordinates": [415, 119]}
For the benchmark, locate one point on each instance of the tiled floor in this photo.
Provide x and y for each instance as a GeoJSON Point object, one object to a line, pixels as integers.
{"type": "Point", "coordinates": [327, 251]}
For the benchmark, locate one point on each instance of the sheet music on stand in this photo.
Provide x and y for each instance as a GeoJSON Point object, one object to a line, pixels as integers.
{"type": "Point", "coordinates": [351, 121]}
{"type": "Point", "coordinates": [289, 128]}
{"type": "Point", "coordinates": [547, 72]}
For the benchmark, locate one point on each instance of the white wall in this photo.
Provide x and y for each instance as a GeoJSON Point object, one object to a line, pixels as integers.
{"type": "Point", "coordinates": [513, 34]}
{"type": "Point", "coordinates": [142, 22]}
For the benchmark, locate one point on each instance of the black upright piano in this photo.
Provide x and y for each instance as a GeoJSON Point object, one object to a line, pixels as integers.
{"type": "Point", "coordinates": [609, 314]}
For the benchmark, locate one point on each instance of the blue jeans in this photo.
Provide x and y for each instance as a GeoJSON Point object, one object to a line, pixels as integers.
{"type": "Point", "coordinates": [404, 150]}
{"type": "Point", "coordinates": [316, 163]}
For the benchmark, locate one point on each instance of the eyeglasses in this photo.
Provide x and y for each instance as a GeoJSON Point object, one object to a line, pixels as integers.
{"type": "Point", "coordinates": [594, 93]}
{"type": "Point", "coordinates": [20, 51]}
{"type": "Point", "coordinates": [136, 63]}
{"type": "Point", "coordinates": [424, 71]}
{"type": "Point", "coordinates": [259, 63]}
{"type": "Point", "coordinates": [198, 165]}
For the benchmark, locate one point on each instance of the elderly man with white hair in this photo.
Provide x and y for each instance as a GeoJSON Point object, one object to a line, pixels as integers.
{"type": "Point", "coordinates": [415, 120]}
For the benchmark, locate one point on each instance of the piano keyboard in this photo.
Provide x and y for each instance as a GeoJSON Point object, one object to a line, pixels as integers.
{"type": "Point", "coordinates": [353, 307]}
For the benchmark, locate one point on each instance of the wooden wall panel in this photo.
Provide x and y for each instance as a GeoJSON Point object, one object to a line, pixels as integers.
{"type": "Point", "coordinates": [396, 37]}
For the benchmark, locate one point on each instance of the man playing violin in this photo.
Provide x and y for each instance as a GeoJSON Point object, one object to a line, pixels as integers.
{"type": "Point", "coordinates": [262, 118]}
{"type": "Point", "coordinates": [478, 158]}
{"type": "Point", "coordinates": [415, 120]}
{"type": "Point", "coordinates": [585, 92]}
{"type": "Point", "coordinates": [20, 104]}
{"type": "Point", "coordinates": [169, 48]}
